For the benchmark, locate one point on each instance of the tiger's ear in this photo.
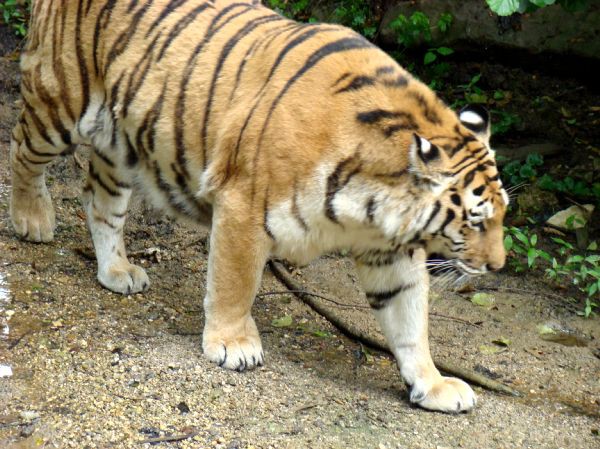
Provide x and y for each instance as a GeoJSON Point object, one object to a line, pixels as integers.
{"type": "Point", "coordinates": [429, 164]}
{"type": "Point", "coordinates": [476, 118]}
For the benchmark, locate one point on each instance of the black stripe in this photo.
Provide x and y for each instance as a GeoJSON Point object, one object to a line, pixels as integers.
{"type": "Point", "coordinates": [147, 129]}
{"type": "Point", "coordinates": [179, 27]}
{"type": "Point", "coordinates": [376, 258]}
{"type": "Point", "coordinates": [132, 156]}
{"type": "Point", "coordinates": [101, 22]}
{"type": "Point", "coordinates": [450, 215]}
{"type": "Point", "coordinates": [104, 158]}
{"type": "Point", "coordinates": [168, 9]}
{"type": "Point", "coordinates": [357, 83]}
{"type": "Point", "coordinates": [52, 107]}
{"type": "Point", "coordinates": [378, 300]}
{"type": "Point", "coordinates": [341, 78]}
{"type": "Point", "coordinates": [190, 66]}
{"type": "Point", "coordinates": [455, 198]}
{"type": "Point", "coordinates": [375, 115]}
{"type": "Point", "coordinates": [468, 179]}
{"type": "Point", "coordinates": [426, 109]}
{"type": "Point", "coordinates": [144, 66]}
{"type": "Point", "coordinates": [436, 208]}
{"type": "Point", "coordinates": [227, 48]}
{"type": "Point", "coordinates": [338, 46]}
{"type": "Point", "coordinates": [399, 81]}
{"type": "Point", "coordinates": [125, 37]}
{"type": "Point", "coordinates": [286, 49]}
{"type": "Point", "coordinates": [335, 182]}
{"type": "Point", "coordinates": [385, 70]}
{"type": "Point", "coordinates": [371, 209]}
{"type": "Point", "coordinates": [266, 216]}
{"type": "Point", "coordinates": [83, 71]}
{"type": "Point", "coordinates": [296, 210]}
{"type": "Point", "coordinates": [114, 92]}
{"type": "Point", "coordinates": [96, 177]}
{"type": "Point", "coordinates": [479, 190]}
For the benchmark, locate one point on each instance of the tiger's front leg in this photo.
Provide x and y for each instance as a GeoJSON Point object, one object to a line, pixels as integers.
{"type": "Point", "coordinates": [239, 247]}
{"type": "Point", "coordinates": [397, 287]}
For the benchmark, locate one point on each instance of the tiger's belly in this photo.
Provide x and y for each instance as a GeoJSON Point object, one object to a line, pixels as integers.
{"type": "Point", "coordinates": [151, 161]}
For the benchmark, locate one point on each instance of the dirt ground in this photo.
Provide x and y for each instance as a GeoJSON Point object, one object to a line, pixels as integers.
{"type": "Point", "coordinates": [81, 367]}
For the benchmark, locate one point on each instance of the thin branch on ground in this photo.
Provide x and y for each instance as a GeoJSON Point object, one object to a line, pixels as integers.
{"type": "Point", "coordinates": [357, 306]}
{"type": "Point", "coordinates": [184, 436]}
{"type": "Point", "coordinates": [356, 334]}
{"type": "Point", "coordinates": [306, 292]}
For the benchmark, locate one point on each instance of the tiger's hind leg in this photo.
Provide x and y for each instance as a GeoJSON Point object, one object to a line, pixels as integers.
{"type": "Point", "coordinates": [106, 197]}
{"type": "Point", "coordinates": [31, 210]}
{"type": "Point", "coordinates": [239, 249]}
{"type": "Point", "coordinates": [397, 287]}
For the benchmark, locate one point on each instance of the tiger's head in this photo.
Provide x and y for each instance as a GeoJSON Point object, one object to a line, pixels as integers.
{"type": "Point", "coordinates": [464, 223]}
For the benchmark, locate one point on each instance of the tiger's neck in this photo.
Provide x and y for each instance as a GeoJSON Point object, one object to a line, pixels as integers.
{"type": "Point", "coordinates": [345, 212]}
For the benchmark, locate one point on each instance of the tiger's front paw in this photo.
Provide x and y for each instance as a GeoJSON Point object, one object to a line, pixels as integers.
{"type": "Point", "coordinates": [448, 395]}
{"type": "Point", "coordinates": [236, 352]}
{"type": "Point", "coordinates": [124, 277]}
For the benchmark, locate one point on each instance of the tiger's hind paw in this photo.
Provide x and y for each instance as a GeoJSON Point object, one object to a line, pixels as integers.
{"type": "Point", "coordinates": [239, 354]}
{"type": "Point", "coordinates": [449, 395]}
{"type": "Point", "coordinates": [33, 218]}
{"type": "Point", "coordinates": [124, 277]}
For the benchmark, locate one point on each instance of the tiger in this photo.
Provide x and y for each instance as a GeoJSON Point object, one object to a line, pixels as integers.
{"type": "Point", "coordinates": [289, 140]}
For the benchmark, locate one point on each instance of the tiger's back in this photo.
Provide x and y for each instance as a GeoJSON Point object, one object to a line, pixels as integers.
{"type": "Point", "coordinates": [290, 139]}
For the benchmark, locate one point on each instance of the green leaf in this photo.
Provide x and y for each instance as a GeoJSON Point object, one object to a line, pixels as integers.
{"type": "Point", "coordinates": [476, 98]}
{"type": "Point", "coordinates": [592, 246]}
{"type": "Point", "coordinates": [542, 3]}
{"type": "Point", "coordinates": [322, 334]}
{"type": "Point", "coordinates": [445, 51]}
{"type": "Point", "coordinates": [508, 243]}
{"type": "Point", "coordinates": [533, 239]}
{"type": "Point", "coordinates": [544, 329]}
{"type": "Point", "coordinates": [429, 57]}
{"type": "Point", "coordinates": [503, 7]}
{"type": "Point", "coordinates": [284, 321]}
{"type": "Point", "coordinates": [488, 350]}
{"type": "Point", "coordinates": [531, 256]}
{"type": "Point", "coordinates": [535, 159]}
{"type": "Point", "coordinates": [483, 300]}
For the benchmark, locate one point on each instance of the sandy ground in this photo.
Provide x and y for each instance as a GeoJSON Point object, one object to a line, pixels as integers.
{"type": "Point", "coordinates": [92, 369]}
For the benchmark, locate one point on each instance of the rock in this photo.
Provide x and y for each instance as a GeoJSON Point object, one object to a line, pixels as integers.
{"type": "Point", "coordinates": [563, 219]}
{"type": "Point", "coordinates": [550, 29]}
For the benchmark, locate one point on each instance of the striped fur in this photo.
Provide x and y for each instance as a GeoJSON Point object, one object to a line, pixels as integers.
{"type": "Point", "coordinates": [289, 139]}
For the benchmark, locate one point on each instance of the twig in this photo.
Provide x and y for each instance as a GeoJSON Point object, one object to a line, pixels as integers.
{"type": "Point", "coordinates": [181, 437]}
{"type": "Point", "coordinates": [453, 318]}
{"type": "Point", "coordinates": [356, 306]}
{"type": "Point", "coordinates": [316, 295]}
{"type": "Point", "coordinates": [357, 334]}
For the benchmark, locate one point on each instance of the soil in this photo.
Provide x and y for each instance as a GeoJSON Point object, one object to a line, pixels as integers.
{"type": "Point", "coordinates": [81, 367]}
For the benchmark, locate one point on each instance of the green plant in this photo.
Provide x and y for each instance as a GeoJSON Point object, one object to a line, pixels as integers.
{"type": "Point", "coordinates": [523, 244]}
{"type": "Point", "coordinates": [508, 7]}
{"type": "Point", "coordinates": [518, 172]}
{"type": "Point", "coordinates": [417, 28]}
{"type": "Point", "coordinates": [14, 14]}
{"type": "Point", "coordinates": [357, 14]}
{"type": "Point", "coordinates": [567, 267]}
{"type": "Point", "coordinates": [580, 270]}
{"type": "Point", "coordinates": [503, 121]}
{"type": "Point", "coordinates": [295, 9]}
